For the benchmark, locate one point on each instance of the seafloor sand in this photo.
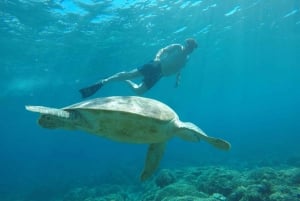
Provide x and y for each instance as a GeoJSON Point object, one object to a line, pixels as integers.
{"type": "Point", "coordinates": [200, 184]}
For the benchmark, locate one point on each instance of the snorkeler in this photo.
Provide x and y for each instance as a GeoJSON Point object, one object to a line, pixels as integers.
{"type": "Point", "coordinates": [168, 61]}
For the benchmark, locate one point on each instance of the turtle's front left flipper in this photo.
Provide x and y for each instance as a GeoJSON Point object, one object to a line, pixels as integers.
{"type": "Point", "coordinates": [53, 118]}
{"type": "Point", "coordinates": [48, 110]}
{"type": "Point", "coordinates": [154, 155]}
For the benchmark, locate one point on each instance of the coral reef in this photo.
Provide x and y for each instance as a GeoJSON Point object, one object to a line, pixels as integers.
{"type": "Point", "coordinates": [200, 184]}
{"type": "Point", "coordinates": [164, 178]}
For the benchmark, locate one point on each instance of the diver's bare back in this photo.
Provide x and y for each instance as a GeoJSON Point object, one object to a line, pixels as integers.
{"type": "Point", "coordinates": [172, 58]}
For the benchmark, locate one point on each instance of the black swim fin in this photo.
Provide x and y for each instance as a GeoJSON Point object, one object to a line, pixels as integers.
{"type": "Point", "coordinates": [88, 91]}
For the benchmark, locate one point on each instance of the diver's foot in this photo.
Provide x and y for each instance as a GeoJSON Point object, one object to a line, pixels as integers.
{"type": "Point", "coordinates": [90, 90]}
{"type": "Point", "coordinates": [138, 89]}
{"type": "Point", "coordinates": [132, 84]}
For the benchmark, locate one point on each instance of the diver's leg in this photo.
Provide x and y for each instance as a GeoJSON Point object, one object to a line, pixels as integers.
{"type": "Point", "coordinates": [122, 76]}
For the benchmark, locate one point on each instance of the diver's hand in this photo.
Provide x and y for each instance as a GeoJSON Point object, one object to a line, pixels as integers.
{"type": "Point", "coordinates": [178, 79]}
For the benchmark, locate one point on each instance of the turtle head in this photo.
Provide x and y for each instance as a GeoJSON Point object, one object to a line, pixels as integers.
{"type": "Point", "coordinates": [51, 121]}
{"type": "Point", "coordinates": [64, 119]}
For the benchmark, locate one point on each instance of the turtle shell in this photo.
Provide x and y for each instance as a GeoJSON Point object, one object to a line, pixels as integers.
{"type": "Point", "coordinates": [136, 105]}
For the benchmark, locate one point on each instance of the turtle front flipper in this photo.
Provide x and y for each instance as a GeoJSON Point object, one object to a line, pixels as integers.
{"type": "Point", "coordinates": [154, 155]}
{"type": "Point", "coordinates": [218, 143]}
{"type": "Point", "coordinates": [54, 118]}
{"type": "Point", "coordinates": [48, 110]}
{"type": "Point", "coordinates": [190, 132]}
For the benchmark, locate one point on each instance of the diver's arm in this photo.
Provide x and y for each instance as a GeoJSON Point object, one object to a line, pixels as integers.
{"type": "Point", "coordinates": [178, 78]}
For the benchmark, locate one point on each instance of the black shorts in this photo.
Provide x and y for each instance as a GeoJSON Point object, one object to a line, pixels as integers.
{"type": "Point", "coordinates": [151, 72]}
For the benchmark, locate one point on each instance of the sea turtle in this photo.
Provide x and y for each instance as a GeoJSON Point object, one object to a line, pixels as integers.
{"type": "Point", "coordinates": [131, 119]}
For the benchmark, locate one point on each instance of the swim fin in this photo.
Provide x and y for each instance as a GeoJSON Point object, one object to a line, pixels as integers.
{"type": "Point", "coordinates": [90, 90]}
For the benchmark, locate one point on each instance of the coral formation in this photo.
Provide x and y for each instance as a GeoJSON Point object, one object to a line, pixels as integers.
{"type": "Point", "coordinates": [200, 184]}
{"type": "Point", "coordinates": [164, 178]}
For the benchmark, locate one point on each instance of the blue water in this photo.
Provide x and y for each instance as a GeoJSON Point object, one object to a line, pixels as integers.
{"type": "Point", "coordinates": [242, 84]}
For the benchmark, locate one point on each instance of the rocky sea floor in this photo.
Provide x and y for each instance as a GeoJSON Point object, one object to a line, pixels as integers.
{"type": "Point", "coordinates": [199, 184]}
